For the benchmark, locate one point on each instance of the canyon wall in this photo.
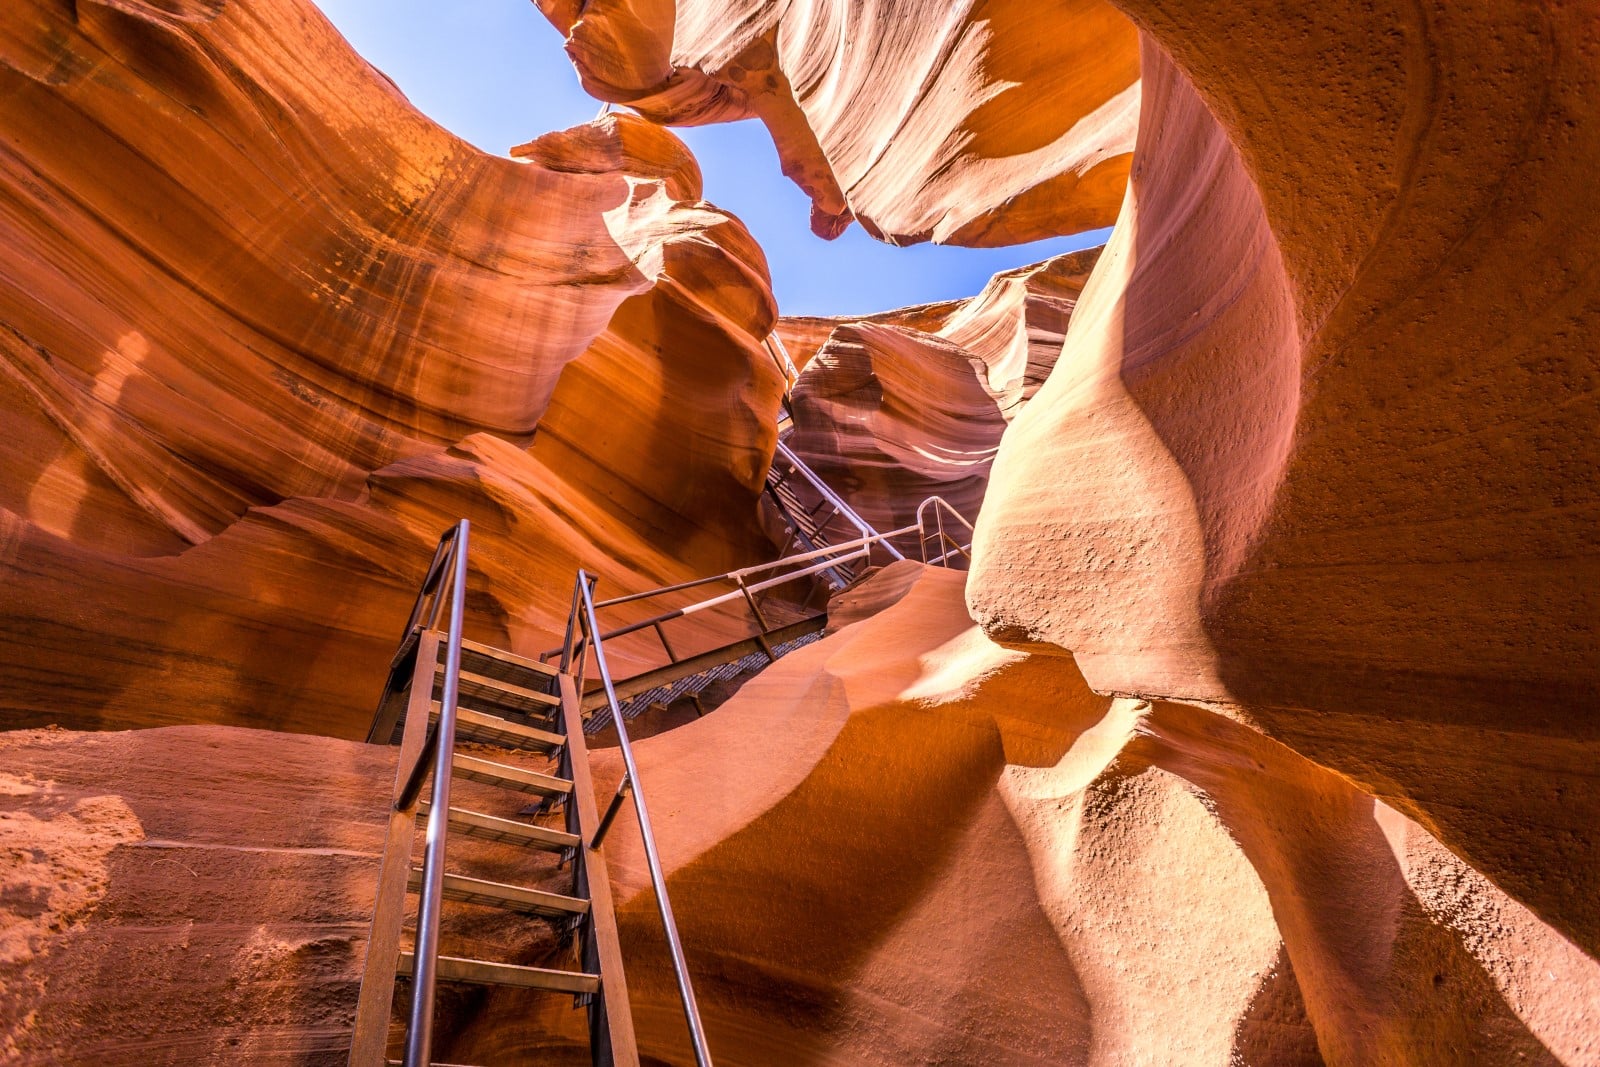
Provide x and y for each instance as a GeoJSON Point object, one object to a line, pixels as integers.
{"type": "Point", "coordinates": [1262, 731]}
{"type": "Point", "coordinates": [1317, 456]}
{"type": "Point", "coordinates": [934, 849]}
{"type": "Point", "coordinates": [893, 408]}
{"type": "Point", "coordinates": [266, 331]}
{"type": "Point", "coordinates": [1318, 448]}
{"type": "Point", "coordinates": [979, 123]}
{"type": "Point", "coordinates": [940, 850]}
{"type": "Point", "coordinates": [191, 894]}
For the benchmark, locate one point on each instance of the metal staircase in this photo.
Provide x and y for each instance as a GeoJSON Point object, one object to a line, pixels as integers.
{"type": "Point", "coordinates": [817, 516]}
{"type": "Point", "coordinates": [443, 688]}
{"type": "Point", "coordinates": [934, 534]}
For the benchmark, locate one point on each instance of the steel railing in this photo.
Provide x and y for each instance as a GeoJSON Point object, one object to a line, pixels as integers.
{"type": "Point", "coordinates": [448, 570]}
{"type": "Point", "coordinates": [780, 355]}
{"type": "Point", "coordinates": [931, 531]}
{"type": "Point", "coordinates": [583, 639]}
{"type": "Point", "coordinates": [942, 507]}
{"type": "Point", "coordinates": [833, 500]}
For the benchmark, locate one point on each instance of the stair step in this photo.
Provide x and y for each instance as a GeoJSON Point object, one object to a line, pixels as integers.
{"type": "Point", "coordinates": [507, 777]}
{"type": "Point", "coordinates": [499, 895]}
{"type": "Point", "coordinates": [497, 693]}
{"type": "Point", "coordinates": [500, 658]}
{"type": "Point", "coordinates": [493, 730]}
{"type": "Point", "coordinates": [492, 828]}
{"type": "Point", "coordinates": [482, 972]}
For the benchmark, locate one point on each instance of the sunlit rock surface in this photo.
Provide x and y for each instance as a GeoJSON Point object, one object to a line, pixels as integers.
{"type": "Point", "coordinates": [1319, 447]}
{"type": "Point", "coordinates": [1318, 452]}
{"type": "Point", "coordinates": [939, 850]}
{"type": "Point", "coordinates": [893, 408]}
{"type": "Point", "coordinates": [976, 124]}
{"type": "Point", "coordinates": [194, 894]}
{"type": "Point", "coordinates": [266, 331]}
{"type": "Point", "coordinates": [1263, 731]}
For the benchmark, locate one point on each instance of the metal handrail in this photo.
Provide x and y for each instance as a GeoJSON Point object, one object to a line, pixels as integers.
{"type": "Point", "coordinates": [584, 629]}
{"type": "Point", "coordinates": [831, 555]}
{"type": "Point", "coordinates": [822, 489]}
{"type": "Point", "coordinates": [450, 557]}
{"type": "Point", "coordinates": [940, 507]}
{"type": "Point", "coordinates": [821, 560]}
{"type": "Point", "coordinates": [780, 355]}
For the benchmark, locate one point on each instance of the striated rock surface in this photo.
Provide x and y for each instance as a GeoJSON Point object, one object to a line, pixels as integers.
{"type": "Point", "coordinates": [936, 849]}
{"type": "Point", "coordinates": [941, 850]}
{"type": "Point", "coordinates": [896, 407]}
{"type": "Point", "coordinates": [265, 331]}
{"type": "Point", "coordinates": [1262, 732]}
{"type": "Point", "coordinates": [186, 895]}
{"type": "Point", "coordinates": [1318, 447]}
{"type": "Point", "coordinates": [979, 124]}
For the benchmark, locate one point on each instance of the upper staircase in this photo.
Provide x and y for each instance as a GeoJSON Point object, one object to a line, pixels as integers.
{"type": "Point", "coordinates": [837, 546]}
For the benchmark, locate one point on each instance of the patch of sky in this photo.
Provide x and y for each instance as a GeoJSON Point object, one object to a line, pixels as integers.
{"type": "Point", "coordinates": [493, 73]}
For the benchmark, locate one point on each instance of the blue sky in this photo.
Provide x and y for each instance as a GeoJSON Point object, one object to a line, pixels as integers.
{"type": "Point", "coordinates": [493, 72]}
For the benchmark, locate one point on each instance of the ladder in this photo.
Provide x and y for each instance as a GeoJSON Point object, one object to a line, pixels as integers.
{"type": "Point", "coordinates": [443, 688]}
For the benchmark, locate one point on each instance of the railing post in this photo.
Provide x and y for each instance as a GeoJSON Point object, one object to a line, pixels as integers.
{"type": "Point", "coordinates": [761, 620]}
{"type": "Point", "coordinates": [611, 812]}
{"type": "Point", "coordinates": [572, 625]}
{"type": "Point", "coordinates": [658, 880]}
{"type": "Point", "coordinates": [419, 1033]}
{"type": "Point", "coordinates": [672, 656]}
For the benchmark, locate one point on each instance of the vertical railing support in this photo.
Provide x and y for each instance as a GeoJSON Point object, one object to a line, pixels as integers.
{"type": "Point", "coordinates": [419, 1033]}
{"type": "Point", "coordinates": [590, 626]}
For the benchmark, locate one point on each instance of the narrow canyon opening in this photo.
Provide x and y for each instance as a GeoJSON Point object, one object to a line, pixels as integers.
{"type": "Point", "coordinates": [1179, 648]}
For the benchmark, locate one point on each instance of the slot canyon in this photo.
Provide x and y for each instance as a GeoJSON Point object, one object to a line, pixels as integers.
{"type": "Point", "coordinates": [1256, 720]}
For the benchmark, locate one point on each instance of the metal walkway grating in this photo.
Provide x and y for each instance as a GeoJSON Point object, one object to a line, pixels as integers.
{"type": "Point", "coordinates": [695, 684]}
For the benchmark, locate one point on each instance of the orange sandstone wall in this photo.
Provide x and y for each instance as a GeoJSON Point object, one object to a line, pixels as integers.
{"type": "Point", "coordinates": [1319, 445]}
{"type": "Point", "coordinates": [1318, 452]}
{"type": "Point", "coordinates": [893, 408]}
{"type": "Point", "coordinates": [988, 124]}
{"type": "Point", "coordinates": [194, 894]}
{"type": "Point", "coordinates": [265, 331]}
{"type": "Point", "coordinates": [939, 850]}
{"type": "Point", "coordinates": [902, 844]}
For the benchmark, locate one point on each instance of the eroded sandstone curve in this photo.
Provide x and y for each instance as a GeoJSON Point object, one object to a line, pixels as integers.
{"type": "Point", "coordinates": [266, 330]}
{"type": "Point", "coordinates": [983, 124]}
{"type": "Point", "coordinates": [890, 409]}
{"type": "Point", "coordinates": [1164, 883]}
{"type": "Point", "coordinates": [1319, 444]}
{"type": "Point", "coordinates": [1285, 465]}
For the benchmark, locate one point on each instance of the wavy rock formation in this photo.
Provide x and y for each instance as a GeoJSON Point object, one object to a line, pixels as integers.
{"type": "Point", "coordinates": [1319, 446]}
{"type": "Point", "coordinates": [939, 850]}
{"type": "Point", "coordinates": [194, 894]}
{"type": "Point", "coordinates": [1318, 454]}
{"type": "Point", "coordinates": [1261, 732]}
{"type": "Point", "coordinates": [986, 124]}
{"type": "Point", "coordinates": [893, 408]}
{"type": "Point", "coordinates": [265, 331]}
